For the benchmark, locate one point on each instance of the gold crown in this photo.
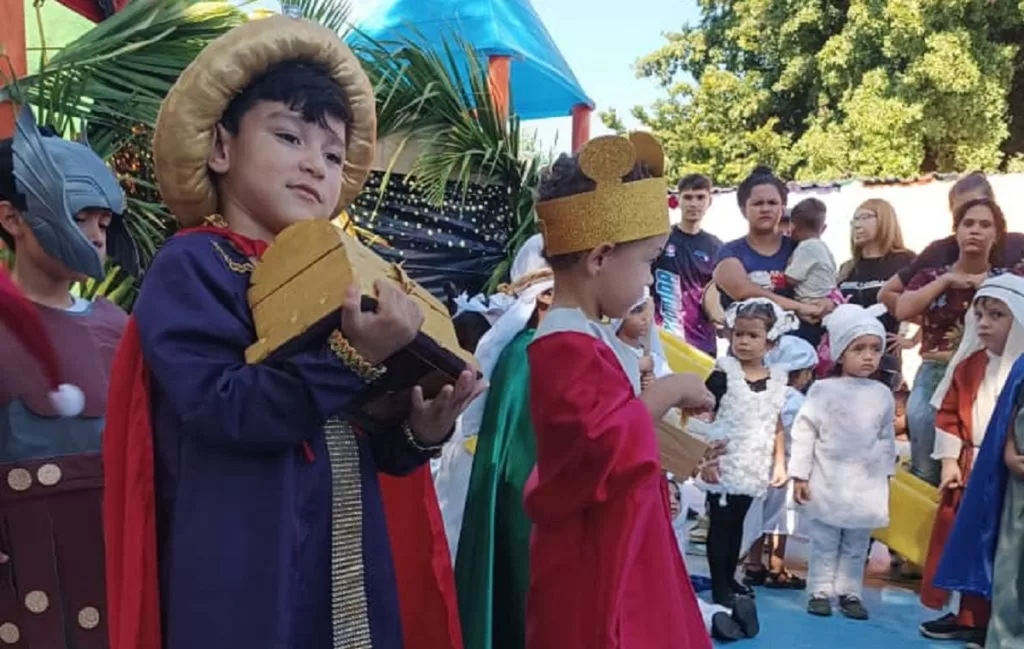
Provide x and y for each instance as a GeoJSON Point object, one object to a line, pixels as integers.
{"type": "Point", "coordinates": [616, 211]}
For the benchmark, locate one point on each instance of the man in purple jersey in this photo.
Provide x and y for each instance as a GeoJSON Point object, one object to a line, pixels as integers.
{"type": "Point", "coordinates": [685, 267]}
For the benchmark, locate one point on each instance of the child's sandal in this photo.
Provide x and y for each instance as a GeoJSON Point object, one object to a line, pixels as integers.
{"type": "Point", "coordinates": [784, 580]}
{"type": "Point", "coordinates": [755, 576]}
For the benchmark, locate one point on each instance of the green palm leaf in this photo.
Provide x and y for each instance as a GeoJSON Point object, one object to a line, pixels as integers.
{"type": "Point", "coordinates": [442, 99]}
{"type": "Point", "coordinates": [333, 14]}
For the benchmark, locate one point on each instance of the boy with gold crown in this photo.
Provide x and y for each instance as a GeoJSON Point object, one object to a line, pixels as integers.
{"type": "Point", "coordinates": [605, 570]}
{"type": "Point", "coordinates": [241, 509]}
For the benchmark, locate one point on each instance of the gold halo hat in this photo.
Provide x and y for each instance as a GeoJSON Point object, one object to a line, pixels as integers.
{"type": "Point", "coordinates": [615, 211]}
{"type": "Point", "coordinates": [197, 101]}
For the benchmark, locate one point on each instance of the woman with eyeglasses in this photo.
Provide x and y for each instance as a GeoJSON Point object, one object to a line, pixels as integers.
{"type": "Point", "coordinates": [877, 253]}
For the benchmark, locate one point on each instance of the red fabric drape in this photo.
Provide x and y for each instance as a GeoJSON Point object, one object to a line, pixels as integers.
{"type": "Point", "coordinates": [956, 417]}
{"type": "Point", "coordinates": [580, 126]}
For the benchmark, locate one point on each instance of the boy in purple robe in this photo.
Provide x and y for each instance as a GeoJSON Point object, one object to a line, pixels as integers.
{"type": "Point", "coordinates": [242, 510]}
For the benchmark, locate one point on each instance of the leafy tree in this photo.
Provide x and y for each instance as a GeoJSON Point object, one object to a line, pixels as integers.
{"type": "Point", "coordinates": [833, 88]}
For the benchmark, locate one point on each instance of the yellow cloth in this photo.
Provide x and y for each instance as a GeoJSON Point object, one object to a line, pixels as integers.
{"type": "Point", "coordinates": [684, 358]}
{"type": "Point", "coordinates": [912, 507]}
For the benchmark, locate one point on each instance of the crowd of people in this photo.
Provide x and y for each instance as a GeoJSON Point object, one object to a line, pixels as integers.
{"type": "Point", "coordinates": [170, 494]}
{"type": "Point", "coordinates": [810, 399]}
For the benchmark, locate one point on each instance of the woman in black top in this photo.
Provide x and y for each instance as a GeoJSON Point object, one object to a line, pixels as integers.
{"type": "Point", "coordinates": [876, 245]}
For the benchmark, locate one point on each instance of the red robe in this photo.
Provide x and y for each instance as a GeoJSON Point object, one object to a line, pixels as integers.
{"type": "Point", "coordinates": [605, 569]}
{"type": "Point", "coordinates": [956, 417]}
{"type": "Point", "coordinates": [423, 569]}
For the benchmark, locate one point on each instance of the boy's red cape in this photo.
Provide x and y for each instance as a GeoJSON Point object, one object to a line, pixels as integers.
{"type": "Point", "coordinates": [426, 584]}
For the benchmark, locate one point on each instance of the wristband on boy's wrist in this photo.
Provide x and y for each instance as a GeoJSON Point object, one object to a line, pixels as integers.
{"type": "Point", "coordinates": [410, 436]}
{"type": "Point", "coordinates": [352, 359]}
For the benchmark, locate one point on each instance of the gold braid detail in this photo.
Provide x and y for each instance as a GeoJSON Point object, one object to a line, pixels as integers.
{"type": "Point", "coordinates": [242, 268]}
{"type": "Point", "coordinates": [344, 350]}
{"type": "Point", "coordinates": [526, 281]}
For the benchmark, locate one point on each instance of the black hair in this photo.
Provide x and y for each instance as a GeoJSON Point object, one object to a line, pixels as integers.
{"type": "Point", "coordinates": [794, 375]}
{"type": "Point", "coordinates": [809, 214]}
{"type": "Point", "coordinates": [758, 310]}
{"type": "Point", "coordinates": [761, 175]}
{"type": "Point", "coordinates": [694, 182]}
{"type": "Point", "coordinates": [971, 183]}
{"type": "Point", "coordinates": [673, 485]}
{"type": "Point", "coordinates": [998, 218]}
{"type": "Point", "coordinates": [8, 189]}
{"type": "Point", "coordinates": [470, 327]}
{"type": "Point", "coordinates": [303, 86]}
{"type": "Point", "coordinates": [563, 178]}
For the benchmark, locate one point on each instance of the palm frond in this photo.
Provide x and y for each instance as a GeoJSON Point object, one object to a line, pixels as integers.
{"type": "Point", "coordinates": [441, 97]}
{"type": "Point", "coordinates": [117, 286]}
{"type": "Point", "coordinates": [333, 14]}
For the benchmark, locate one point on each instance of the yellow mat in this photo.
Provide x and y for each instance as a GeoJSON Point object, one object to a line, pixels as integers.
{"type": "Point", "coordinates": [912, 507]}
{"type": "Point", "coordinates": [683, 358]}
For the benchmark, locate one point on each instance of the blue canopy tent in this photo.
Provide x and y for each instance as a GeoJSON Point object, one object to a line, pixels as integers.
{"type": "Point", "coordinates": [511, 34]}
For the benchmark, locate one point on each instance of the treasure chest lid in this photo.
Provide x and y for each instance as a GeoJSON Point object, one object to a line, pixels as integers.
{"type": "Point", "coordinates": [301, 246]}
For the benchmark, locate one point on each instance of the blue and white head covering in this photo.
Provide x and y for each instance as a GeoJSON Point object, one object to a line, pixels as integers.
{"type": "Point", "coordinates": [792, 354]}
{"type": "Point", "coordinates": [59, 179]}
{"type": "Point", "coordinates": [1008, 289]}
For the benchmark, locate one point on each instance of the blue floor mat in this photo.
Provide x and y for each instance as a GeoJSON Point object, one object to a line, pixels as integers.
{"type": "Point", "coordinates": [895, 616]}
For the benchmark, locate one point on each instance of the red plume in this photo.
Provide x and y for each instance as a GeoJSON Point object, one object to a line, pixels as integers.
{"type": "Point", "coordinates": [21, 318]}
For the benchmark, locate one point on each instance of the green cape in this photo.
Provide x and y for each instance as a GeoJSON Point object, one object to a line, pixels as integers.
{"type": "Point", "coordinates": [492, 568]}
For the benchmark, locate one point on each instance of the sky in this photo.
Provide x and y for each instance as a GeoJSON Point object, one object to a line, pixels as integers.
{"type": "Point", "coordinates": [600, 39]}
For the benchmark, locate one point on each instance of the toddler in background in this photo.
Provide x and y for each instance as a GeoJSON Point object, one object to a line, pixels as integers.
{"type": "Point", "coordinates": [812, 268]}
{"type": "Point", "coordinates": [638, 331]}
{"type": "Point", "coordinates": [843, 455]}
{"type": "Point", "coordinates": [748, 401]}
{"type": "Point", "coordinates": [774, 517]}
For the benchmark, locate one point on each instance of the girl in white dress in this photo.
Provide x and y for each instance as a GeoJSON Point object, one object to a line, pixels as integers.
{"type": "Point", "coordinates": [773, 518]}
{"type": "Point", "coordinates": [749, 398]}
{"type": "Point", "coordinates": [843, 454]}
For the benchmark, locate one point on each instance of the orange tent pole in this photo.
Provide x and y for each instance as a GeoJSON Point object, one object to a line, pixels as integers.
{"type": "Point", "coordinates": [12, 45]}
{"type": "Point", "coordinates": [499, 69]}
{"type": "Point", "coordinates": [580, 126]}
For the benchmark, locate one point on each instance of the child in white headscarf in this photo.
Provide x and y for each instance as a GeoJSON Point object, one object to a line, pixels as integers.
{"type": "Point", "coordinates": [843, 454]}
{"type": "Point", "coordinates": [637, 330]}
{"type": "Point", "coordinates": [965, 400]}
{"type": "Point", "coordinates": [773, 518]}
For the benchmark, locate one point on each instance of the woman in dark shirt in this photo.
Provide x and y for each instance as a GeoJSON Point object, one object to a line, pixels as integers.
{"type": "Point", "coordinates": [876, 245]}
{"type": "Point", "coordinates": [755, 266]}
{"type": "Point", "coordinates": [941, 298]}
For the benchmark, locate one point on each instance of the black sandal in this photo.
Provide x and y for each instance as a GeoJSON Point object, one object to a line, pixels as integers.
{"type": "Point", "coordinates": [755, 576]}
{"type": "Point", "coordinates": [784, 580]}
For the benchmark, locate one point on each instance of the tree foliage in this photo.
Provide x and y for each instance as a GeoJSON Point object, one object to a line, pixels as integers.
{"type": "Point", "coordinates": [824, 89]}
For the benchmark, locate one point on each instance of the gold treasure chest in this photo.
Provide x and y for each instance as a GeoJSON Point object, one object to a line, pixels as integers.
{"type": "Point", "coordinates": [296, 293]}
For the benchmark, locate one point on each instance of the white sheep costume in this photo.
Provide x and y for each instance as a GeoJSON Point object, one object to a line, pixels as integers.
{"type": "Point", "coordinates": [844, 446]}
{"type": "Point", "coordinates": [748, 419]}
{"type": "Point", "coordinates": [776, 512]}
